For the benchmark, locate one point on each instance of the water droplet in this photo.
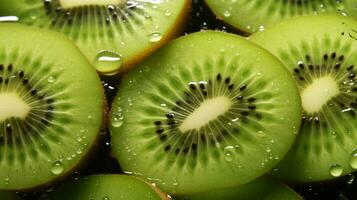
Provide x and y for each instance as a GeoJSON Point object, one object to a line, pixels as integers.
{"type": "Point", "coordinates": [9, 19]}
{"type": "Point", "coordinates": [117, 119]}
{"type": "Point", "coordinates": [57, 168]}
{"type": "Point", "coordinates": [155, 37]}
{"type": "Point", "coordinates": [82, 129]}
{"type": "Point", "coordinates": [7, 180]}
{"type": "Point", "coordinates": [268, 149]}
{"type": "Point", "coordinates": [227, 13]}
{"type": "Point", "coordinates": [106, 198]}
{"type": "Point", "coordinates": [79, 151]}
{"type": "Point", "coordinates": [51, 79]}
{"type": "Point", "coordinates": [167, 13]}
{"type": "Point", "coordinates": [350, 179]}
{"type": "Point", "coordinates": [353, 159]}
{"type": "Point", "coordinates": [261, 28]}
{"type": "Point", "coordinates": [261, 134]}
{"type": "Point", "coordinates": [235, 119]}
{"type": "Point", "coordinates": [79, 139]}
{"type": "Point", "coordinates": [336, 170]}
{"type": "Point", "coordinates": [340, 7]}
{"type": "Point", "coordinates": [130, 103]}
{"type": "Point", "coordinates": [108, 62]}
{"type": "Point", "coordinates": [228, 153]}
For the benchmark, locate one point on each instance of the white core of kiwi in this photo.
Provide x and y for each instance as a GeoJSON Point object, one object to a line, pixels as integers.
{"type": "Point", "coordinates": [319, 93]}
{"type": "Point", "coordinates": [11, 105]}
{"type": "Point", "coordinates": [209, 110]}
{"type": "Point", "coordinates": [77, 3]}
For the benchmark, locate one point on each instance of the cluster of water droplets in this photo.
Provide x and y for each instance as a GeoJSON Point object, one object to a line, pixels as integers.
{"type": "Point", "coordinates": [117, 118]}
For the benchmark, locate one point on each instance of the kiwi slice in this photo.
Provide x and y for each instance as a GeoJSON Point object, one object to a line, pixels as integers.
{"type": "Point", "coordinates": [322, 60]}
{"type": "Point", "coordinates": [51, 103]}
{"type": "Point", "coordinates": [5, 195]}
{"type": "Point", "coordinates": [208, 108]}
{"type": "Point", "coordinates": [262, 188]}
{"type": "Point", "coordinates": [106, 187]}
{"type": "Point", "coordinates": [113, 34]}
{"type": "Point", "coordinates": [255, 15]}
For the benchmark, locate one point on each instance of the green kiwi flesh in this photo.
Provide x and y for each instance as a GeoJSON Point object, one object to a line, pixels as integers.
{"type": "Point", "coordinates": [208, 108]}
{"type": "Point", "coordinates": [262, 188]}
{"type": "Point", "coordinates": [51, 103]}
{"type": "Point", "coordinates": [255, 15]}
{"type": "Point", "coordinates": [118, 187]}
{"type": "Point", "coordinates": [114, 34]}
{"type": "Point", "coordinates": [322, 60]}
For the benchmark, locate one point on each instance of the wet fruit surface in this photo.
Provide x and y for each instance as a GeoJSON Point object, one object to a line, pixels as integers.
{"type": "Point", "coordinates": [102, 162]}
{"type": "Point", "coordinates": [341, 188]}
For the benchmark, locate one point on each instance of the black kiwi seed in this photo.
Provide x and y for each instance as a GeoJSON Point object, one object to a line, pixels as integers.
{"type": "Point", "coordinates": [157, 123]}
{"type": "Point", "coordinates": [192, 86]}
{"type": "Point", "coordinates": [301, 65]}
{"type": "Point", "coordinates": [333, 55]}
{"type": "Point", "coordinates": [243, 87]}
{"type": "Point", "coordinates": [21, 74]}
{"type": "Point", "coordinates": [9, 68]}
{"type": "Point", "coordinates": [307, 57]}
{"type": "Point", "coordinates": [39, 117]}
{"type": "Point", "coordinates": [60, 17]}
{"type": "Point", "coordinates": [167, 148]}
{"type": "Point", "coordinates": [160, 130]}
{"type": "Point", "coordinates": [251, 99]}
{"type": "Point", "coordinates": [332, 59]}
{"type": "Point", "coordinates": [178, 113]}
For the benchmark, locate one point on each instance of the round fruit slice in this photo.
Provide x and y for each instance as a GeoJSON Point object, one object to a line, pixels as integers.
{"type": "Point", "coordinates": [262, 188]}
{"type": "Point", "coordinates": [255, 15]}
{"type": "Point", "coordinates": [208, 108]}
{"type": "Point", "coordinates": [51, 103]}
{"type": "Point", "coordinates": [322, 61]}
{"type": "Point", "coordinates": [117, 187]}
{"type": "Point", "coordinates": [113, 34]}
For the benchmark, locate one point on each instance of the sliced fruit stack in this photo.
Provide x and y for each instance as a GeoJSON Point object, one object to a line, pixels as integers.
{"type": "Point", "coordinates": [214, 116]}
{"type": "Point", "coordinates": [209, 116]}
{"type": "Point", "coordinates": [52, 106]}
{"type": "Point", "coordinates": [114, 35]}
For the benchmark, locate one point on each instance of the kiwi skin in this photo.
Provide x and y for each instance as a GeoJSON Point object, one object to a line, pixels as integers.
{"type": "Point", "coordinates": [237, 30]}
{"type": "Point", "coordinates": [163, 195]}
{"type": "Point", "coordinates": [107, 183]}
{"type": "Point", "coordinates": [103, 121]}
{"type": "Point", "coordinates": [175, 31]}
{"type": "Point", "coordinates": [85, 159]}
{"type": "Point", "coordinates": [262, 188]}
{"type": "Point", "coordinates": [313, 156]}
{"type": "Point", "coordinates": [137, 80]}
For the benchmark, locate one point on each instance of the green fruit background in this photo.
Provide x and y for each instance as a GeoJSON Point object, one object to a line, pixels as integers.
{"type": "Point", "coordinates": [102, 162]}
